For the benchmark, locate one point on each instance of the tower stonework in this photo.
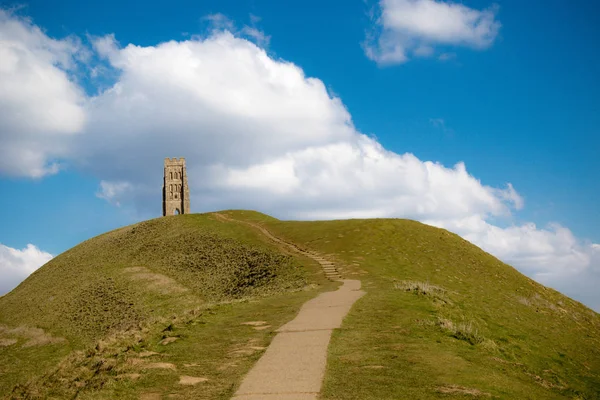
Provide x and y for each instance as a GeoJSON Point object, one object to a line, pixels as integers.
{"type": "Point", "coordinates": [176, 193]}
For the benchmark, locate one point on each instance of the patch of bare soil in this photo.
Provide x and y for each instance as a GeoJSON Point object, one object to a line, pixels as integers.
{"type": "Point", "coordinates": [159, 365]}
{"type": "Point", "coordinates": [244, 352]}
{"type": "Point", "coordinates": [191, 380]}
{"type": "Point", "coordinates": [145, 354]}
{"type": "Point", "coordinates": [157, 282]}
{"type": "Point", "coordinates": [261, 328]}
{"type": "Point", "coordinates": [245, 349]}
{"type": "Point", "coordinates": [257, 325]}
{"type": "Point", "coordinates": [168, 340]}
{"type": "Point", "coordinates": [452, 389]}
{"type": "Point", "coordinates": [7, 342]}
{"type": "Point", "coordinates": [227, 365]}
{"type": "Point", "coordinates": [254, 323]}
{"type": "Point", "coordinates": [34, 336]}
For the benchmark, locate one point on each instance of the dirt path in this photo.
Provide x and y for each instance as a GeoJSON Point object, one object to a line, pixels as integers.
{"type": "Point", "coordinates": [293, 366]}
{"type": "Point", "coordinates": [328, 266]}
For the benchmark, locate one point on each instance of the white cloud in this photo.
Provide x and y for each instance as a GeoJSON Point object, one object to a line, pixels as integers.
{"type": "Point", "coordinates": [257, 35]}
{"type": "Point", "coordinates": [216, 100]}
{"type": "Point", "coordinates": [219, 22]}
{"type": "Point", "coordinates": [257, 133]}
{"type": "Point", "coordinates": [405, 28]}
{"type": "Point", "coordinates": [359, 176]}
{"type": "Point", "coordinates": [112, 191]}
{"type": "Point", "coordinates": [16, 265]}
{"type": "Point", "coordinates": [39, 105]}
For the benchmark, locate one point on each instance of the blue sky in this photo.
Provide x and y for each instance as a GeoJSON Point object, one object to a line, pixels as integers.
{"type": "Point", "coordinates": [516, 104]}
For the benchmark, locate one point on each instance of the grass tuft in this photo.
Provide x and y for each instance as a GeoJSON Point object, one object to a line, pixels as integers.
{"type": "Point", "coordinates": [423, 288]}
{"type": "Point", "coordinates": [461, 331]}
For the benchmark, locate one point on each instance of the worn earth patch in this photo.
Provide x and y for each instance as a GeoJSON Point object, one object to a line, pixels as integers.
{"type": "Point", "coordinates": [451, 389]}
{"type": "Point", "coordinates": [191, 380]}
{"type": "Point", "coordinates": [7, 342]}
{"type": "Point", "coordinates": [34, 336]}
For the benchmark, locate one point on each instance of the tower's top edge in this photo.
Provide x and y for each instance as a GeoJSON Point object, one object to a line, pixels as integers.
{"type": "Point", "coordinates": [175, 161]}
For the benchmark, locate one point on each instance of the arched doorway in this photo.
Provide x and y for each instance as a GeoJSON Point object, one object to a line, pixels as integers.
{"type": "Point", "coordinates": [176, 212]}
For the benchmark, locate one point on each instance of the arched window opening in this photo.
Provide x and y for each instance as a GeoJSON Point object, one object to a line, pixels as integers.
{"type": "Point", "coordinates": [171, 187]}
{"type": "Point", "coordinates": [171, 175]}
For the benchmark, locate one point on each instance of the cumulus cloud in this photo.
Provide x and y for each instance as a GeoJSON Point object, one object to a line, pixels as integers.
{"type": "Point", "coordinates": [16, 265]}
{"type": "Point", "coordinates": [405, 28]}
{"type": "Point", "coordinates": [219, 100]}
{"type": "Point", "coordinates": [258, 133]}
{"type": "Point", "coordinates": [39, 104]}
{"type": "Point", "coordinates": [358, 177]}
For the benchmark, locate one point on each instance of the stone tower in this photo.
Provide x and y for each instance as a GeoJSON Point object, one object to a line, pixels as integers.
{"type": "Point", "coordinates": [176, 194]}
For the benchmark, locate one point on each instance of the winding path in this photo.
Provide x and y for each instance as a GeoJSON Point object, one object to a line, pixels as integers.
{"type": "Point", "coordinates": [293, 366]}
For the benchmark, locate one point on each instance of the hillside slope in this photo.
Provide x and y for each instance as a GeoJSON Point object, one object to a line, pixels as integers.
{"type": "Point", "coordinates": [441, 318]}
{"type": "Point", "coordinates": [121, 293]}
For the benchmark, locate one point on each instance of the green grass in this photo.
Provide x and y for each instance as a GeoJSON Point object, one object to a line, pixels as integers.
{"type": "Point", "coordinates": [441, 318]}
{"type": "Point", "coordinates": [212, 343]}
{"type": "Point", "coordinates": [133, 283]}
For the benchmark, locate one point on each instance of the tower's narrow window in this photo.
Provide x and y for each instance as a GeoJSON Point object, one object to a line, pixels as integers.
{"type": "Point", "coordinates": [171, 175]}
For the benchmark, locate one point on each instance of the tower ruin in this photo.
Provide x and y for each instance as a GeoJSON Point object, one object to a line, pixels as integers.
{"type": "Point", "coordinates": [176, 194]}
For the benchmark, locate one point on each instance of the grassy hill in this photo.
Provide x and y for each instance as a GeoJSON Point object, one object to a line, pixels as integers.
{"type": "Point", "coordinates": [441, 318]}
{"type": "Point", "coordinates": [86, 324]}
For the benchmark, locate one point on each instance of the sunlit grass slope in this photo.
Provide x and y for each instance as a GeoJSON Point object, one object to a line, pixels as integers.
{"type": "Point", "coordinates": [442, 318]}
{"type": "Point", "coordinates": [101, 304]}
